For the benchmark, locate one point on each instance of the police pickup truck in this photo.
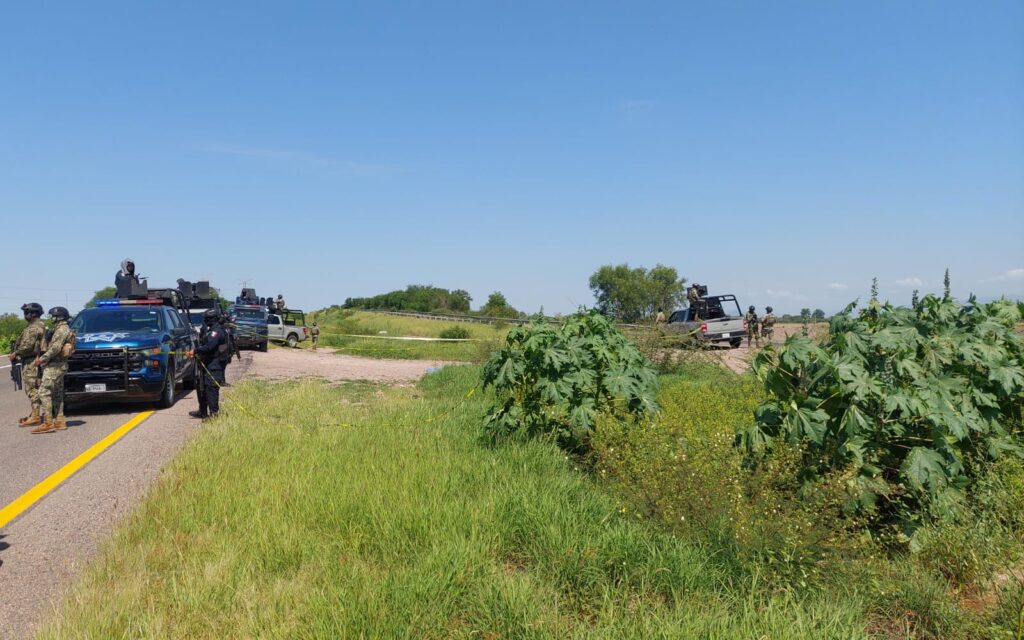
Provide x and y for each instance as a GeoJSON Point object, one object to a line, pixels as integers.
{"type": "Point", "coordinates": [288, 326]}
{"type": "Point", "coordinates": [132, 349]}
{"type": "Point", "coordinates": [710, 320]}
{"type": "Point", "coordinates": [248, 325]}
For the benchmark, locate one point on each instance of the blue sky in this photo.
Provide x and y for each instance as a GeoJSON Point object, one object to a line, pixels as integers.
{"type": "Point", "coordinates": [783, 151]}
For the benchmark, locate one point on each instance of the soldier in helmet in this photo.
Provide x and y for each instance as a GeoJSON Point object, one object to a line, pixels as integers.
{"type": "Point", "coordinates": [29, 347]}
{"type": "Point", "coordinates": [753, 326]}
{"type": "Point", "coordinates": [279, 303]}
{"type": "Point", "coordinates": [314, 333]}
{"type": "Point", "coordinates": [210, 354]}
{"type": "Point", "coordinates": [54, 362]}
{"type": "Point", "coordinates": [768, 325]}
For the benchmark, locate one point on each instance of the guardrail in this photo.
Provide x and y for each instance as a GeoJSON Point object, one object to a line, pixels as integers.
{"type": "Point", "coordinates": [482, 319]}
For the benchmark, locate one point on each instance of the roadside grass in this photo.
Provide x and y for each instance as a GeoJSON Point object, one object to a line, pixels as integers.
{"type": "Point", "coordinates": [337, 325]}
{"type": "Point", "coordinates": [355, 512]}
{"type": "Point", "coordinates": [682, 470]}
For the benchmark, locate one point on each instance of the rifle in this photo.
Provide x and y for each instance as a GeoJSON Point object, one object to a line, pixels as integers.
{"type": "Point", "coordinates": [16, 373]}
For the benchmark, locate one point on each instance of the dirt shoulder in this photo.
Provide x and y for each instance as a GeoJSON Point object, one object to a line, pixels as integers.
{"type": "Point", "coordinates": [286, 364]}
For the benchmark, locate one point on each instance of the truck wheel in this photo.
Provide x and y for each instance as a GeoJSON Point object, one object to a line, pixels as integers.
{"type": "Point", "coordinates": [167, 395]}
{"type": "Point", "coordinates": [735, 343]}
{"type": "Point", "coordinates": [263, 346]}
{"type": "Point", "coordinates": [293, 340]}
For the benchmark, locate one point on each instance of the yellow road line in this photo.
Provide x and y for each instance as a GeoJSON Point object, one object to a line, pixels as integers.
{"type": "Point", "coordinates": [36, 493]}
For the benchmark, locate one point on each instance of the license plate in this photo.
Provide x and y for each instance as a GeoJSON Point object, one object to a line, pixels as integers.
{"type": "Point", "coordinates": [725, 335]}
{"type": "Point", "coordinates": [95, 388]}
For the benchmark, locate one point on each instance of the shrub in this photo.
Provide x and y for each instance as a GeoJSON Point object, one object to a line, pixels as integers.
{"type": "Point", "coordinates": [559, 380]}
{"type": "Point", "coordinates": [905, 397]}
{"type": "Point", "coordinates": [455, 333]}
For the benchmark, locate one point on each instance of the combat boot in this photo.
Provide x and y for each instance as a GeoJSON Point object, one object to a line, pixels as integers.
{"type": "Point", "coordinates": [31, 421]}
{"type": "Point", "coordinates": [59, 424]}
{"type": "Point", "coordinates": [46, 427]}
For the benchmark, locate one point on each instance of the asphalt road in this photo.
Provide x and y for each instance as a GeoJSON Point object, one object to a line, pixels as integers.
{"type": "Point", "coordinates": [42, 549]}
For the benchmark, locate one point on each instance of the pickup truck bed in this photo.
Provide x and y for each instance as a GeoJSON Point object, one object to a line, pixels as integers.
{"type": "Point", "coordinates": [711, 321]}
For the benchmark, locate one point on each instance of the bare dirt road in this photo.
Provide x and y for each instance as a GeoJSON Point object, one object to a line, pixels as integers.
{"type": "Point", "coordinates": [43, 548]}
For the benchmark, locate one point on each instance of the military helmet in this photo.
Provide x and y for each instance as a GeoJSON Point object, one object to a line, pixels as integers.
{"type": "Point", "coordinates": [210, 316]}
{"type": "Point", "coordinates": [32, 307]}
{"type": "Point", "coordinates": [751, 309]}
{"type": "Point", "coordinates": [58, 313]}
{"type": "Point", "coordinates": [768, 309]}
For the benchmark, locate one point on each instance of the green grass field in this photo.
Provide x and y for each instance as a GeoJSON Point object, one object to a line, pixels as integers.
{"type": "Point", "coordinates": [336, 325]}
{"type": "Point", "coordinates": [357, 512]}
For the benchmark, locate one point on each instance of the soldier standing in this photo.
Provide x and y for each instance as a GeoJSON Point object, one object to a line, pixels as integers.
{"type": "Point", "coordinates": [54, 362]}
{"type": "Point", "coordinates": [768, 325]}
{"type": "Point", "coordinates": [209, 356]}
{"type": "Point", "coordinates": [314, 333]}
{"type": "Point", "coordinates": [660, 318]}
{"type": "Point", "coordinates": [279, 303]}
{"type": "Point", "coordinates": [753, 326]}
{"type": "Point", "coordinates": [29, 347]}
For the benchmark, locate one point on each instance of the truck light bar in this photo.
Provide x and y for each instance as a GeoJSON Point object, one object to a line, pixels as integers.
{"type": "Point", "coordinates": [118, 302]}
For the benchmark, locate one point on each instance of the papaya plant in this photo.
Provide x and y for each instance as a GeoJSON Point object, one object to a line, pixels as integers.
{"type": "Point", "coordinates": [913, 399]}
{"type": "Point", "coordinates": [559, 380]}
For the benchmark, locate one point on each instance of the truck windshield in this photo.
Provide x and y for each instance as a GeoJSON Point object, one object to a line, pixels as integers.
{"type": "Point", "coordinates": [120, 319]}
{"type": "Point", "coordinates": [250, 314]}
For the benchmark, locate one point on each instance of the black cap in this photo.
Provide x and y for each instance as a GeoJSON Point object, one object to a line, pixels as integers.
{"type": "Point", "coordinates": [59, 312]}
{"type": "Point", "coordinates": [751, 308]}
{"type": "Point", "coordinates": [32, 307]}
{"type": "Point", "coordinates": [211, 315]}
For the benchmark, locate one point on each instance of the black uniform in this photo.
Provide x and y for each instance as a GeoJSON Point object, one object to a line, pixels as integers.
{"type": "Point", "coordinates": [213, 344]}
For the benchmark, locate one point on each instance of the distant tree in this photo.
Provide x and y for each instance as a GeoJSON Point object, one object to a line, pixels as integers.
{"type": "Point", "coordinates": [498, 307]}
{"type": "Point", "coordinates": [915, 299]}
{"type": "Point", "coordinates": [631, 295]}
{"type": "Point", "coordinates": [818, 315]}
{"type": "Point", "coordinates": [945, 286]}
{"type": "Point", "coordinates": [874, 289]}
{"type": "Point", "coordinates": [415, 297]}
{"type": "Point", "coordinates": [105, 293]}
{"type": "Point", "coordinates": [805, 313]}
{"type": "Point", "coordinates": [459, 301]}
{"type": "Point", "coordinates": [805, 321]}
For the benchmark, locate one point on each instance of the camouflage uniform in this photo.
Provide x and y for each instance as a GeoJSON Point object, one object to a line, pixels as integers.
{"type": "Point", "coordinates": [768, 327]}
{"type": "Point", "coordinates": [28, 347]}
{"type": "Point", "coordinates": [314, 333]}
{"type": "Point", "coordinates": [55, 365]}
{"type": "Point", "coordinates": [753, 328]}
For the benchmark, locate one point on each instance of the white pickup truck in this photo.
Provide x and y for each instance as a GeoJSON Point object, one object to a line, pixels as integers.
{"type": "Point", "coordinates": [287, 327]}
{"type": "Point", "coordinates": [711, 320]}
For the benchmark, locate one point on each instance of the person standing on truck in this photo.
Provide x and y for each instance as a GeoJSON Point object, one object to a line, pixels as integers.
{"type": "Point", "coordinates": [213, 344]}
{"type": "Point", "coordinates": [29, 347]}
{"type": "Point", "coordinates": [279, 303]}
{"type": "Point", "coordinates": [753, 326]}
{"type": "Point", "coordinates": [314, 333]}
{"type": "Point", "coordinates": [126, 277]}
{"type": "Point", "coordinates": [60, 344]}
{"type": "Point", "coordinates": [768, 325]}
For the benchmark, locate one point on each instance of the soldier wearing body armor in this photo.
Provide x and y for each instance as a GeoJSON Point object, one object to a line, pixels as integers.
{"type": "Point", "coordinates": [211, 354]}
{"type": "Point", "coordinates": [279, 303]}
{"type": "Point", "coordinates": [29, 347]}
{"type": "Point", "coordinates": [768, 325]}
{"type": "Point", "coordinates": [753, 326]}
{"type": "Point", "coordinates": [60, 344]}
{"type": "Point", "coordinates": [314, 333]}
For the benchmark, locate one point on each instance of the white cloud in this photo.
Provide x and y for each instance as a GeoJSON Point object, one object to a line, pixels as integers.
{"type": "Point", "coordinates": [912, 281]}
{"type": "Point", "coordinates": [785, 294]}
{"type": "Point", "coordinates": [838, 286]}
{"type": "Point", "coordinates": [1012, 274]}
